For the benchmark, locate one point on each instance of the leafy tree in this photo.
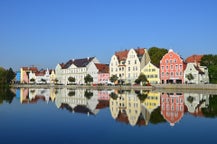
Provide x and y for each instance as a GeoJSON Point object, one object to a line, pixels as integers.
{"type": "Point", "coordinates": [43, 80]}
{"type": "Point", "coordinates": [156, 116]}
{"type": "Point", "coordinates": [6, 76]}
{"type": "Point", "coordinates": [88, 94]}
{"type": "Point", "coordinates": [113, 78]}
{"type": "Point", "coordinates": [88, 79]}
{"type": "Point", "coordinates": [71, 79]}
{"type": "Point", "coordinates": [71, 93]}
{"type": "Point", "coordinates": [6, 95]}
{"type": "Point", "coordinates": [142, 96]}
{"type": "Point", "coordinates": [32, 80]}
{"type": "Point", "coordinates": [141, 79]}
{"type": "Point", "coordinates": [211, 110]}
{"type": "Point", "coordinates": [156, 54]}
{"type": "Point", "coordinates": [211, 62]}
{"type": "Point", "coordinates": [10, 75]}
{"type": "Point", "coordinates": [113, 95]}
{"type": "Point", "coordinates": [56, 80]}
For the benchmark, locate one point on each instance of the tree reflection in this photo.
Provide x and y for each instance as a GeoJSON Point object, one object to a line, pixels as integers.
{"type": "Point", "coordinates": [211, 110]}
{"type": "Point", "coordinates": [6, 95]}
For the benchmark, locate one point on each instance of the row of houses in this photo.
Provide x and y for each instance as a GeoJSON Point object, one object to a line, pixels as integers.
{"type": "Point", "coordinates": [127, 65]}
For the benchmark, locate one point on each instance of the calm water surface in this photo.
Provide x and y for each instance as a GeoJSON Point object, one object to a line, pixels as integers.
{"type": "Point", "coordinates": [89, 116]}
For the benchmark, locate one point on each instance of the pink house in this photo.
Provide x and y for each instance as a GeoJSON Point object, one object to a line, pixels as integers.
{"type": "Point", "coordinates": [172, 107]}
{"type": "Point", "coordinates": [103, 73]}
{"type": "Point", "coordinates": [172, 68]}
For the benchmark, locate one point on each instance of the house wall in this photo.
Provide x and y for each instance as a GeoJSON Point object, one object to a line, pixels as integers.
{"type": "Point", "coordinates": [171, 68]}
{"type": "Point", "coordinates": [152, 73]}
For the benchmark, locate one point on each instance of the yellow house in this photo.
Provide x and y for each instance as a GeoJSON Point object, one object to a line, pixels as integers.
{"type": "Point", "coordinates": [152, 73]}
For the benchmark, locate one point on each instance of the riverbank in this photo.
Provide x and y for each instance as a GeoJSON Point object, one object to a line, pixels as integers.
{"type": "Point", "coordinates": [153, 87]}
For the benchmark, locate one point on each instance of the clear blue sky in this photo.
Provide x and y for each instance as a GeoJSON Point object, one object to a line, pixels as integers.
{"type": "Point", "coordinates": [46, 32]}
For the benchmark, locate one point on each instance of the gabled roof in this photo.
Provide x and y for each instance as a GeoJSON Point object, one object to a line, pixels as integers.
{"type": "Point", "coordinates": [77, 62]}
{"type": "Point", "coordinates": [33, 69]}
{"type": "Point", "coordinates": [122, 55]}
{"type": "Point", "coordinates": [40, 73]}
{"type": "Point", "coordinates": [194, 59]}
{"type": "Point", "coordinates": [103, 68]}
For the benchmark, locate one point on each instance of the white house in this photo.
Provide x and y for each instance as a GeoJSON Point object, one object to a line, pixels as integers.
{"type": "Point", "coordinates": [42, 76]}
{"type": "Point", "coordinates": [199, 74]}
{"type": "Point", "coordinates": [77, 68]}
{"type": "Point", "coordinates": [127, 64]}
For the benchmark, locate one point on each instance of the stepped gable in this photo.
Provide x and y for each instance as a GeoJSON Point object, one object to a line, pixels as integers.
{"type": "Point", "coordinates": [194, 59]}
{"type": "Point", "coordinates": [78, 62]}
{"type": "Point", "coordinates": [103, 68]}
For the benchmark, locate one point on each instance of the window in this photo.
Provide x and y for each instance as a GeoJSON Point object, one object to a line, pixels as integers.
{"type": "Point", "coordinates": [174, 60]}
{"type": "Point", "coordinates": [135, 62]}
{"type": "Point", "coordinates": [180, 67]}
{"type": "Point", "coordinates": [128, 62]}
{"type": "Point", "coordinates": [171, 67]}
{"type": "Point", "coordinates": [162, 67]}
{"type": "Point", "coordinates": [162, 73]}
{"type": "Point", "coordinates": [128, 68]}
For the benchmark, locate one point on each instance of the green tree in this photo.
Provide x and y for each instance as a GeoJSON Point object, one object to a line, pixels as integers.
{"type": "Point", "coordinates": [88, 79]}
{"type": "Point", "coordinates": [71, 79]}
{"type": "Point", "coordinates": [211, 62]}
{"type": "Point", "coordinates": [10, 75]}
{"type": "Point", "coordinates": [211, 110]}
{"type": "Point", "coordinates": [113, 95]}
{"type": "Point", "coordinates": [6, 77]}
{"type": "Point", "coordinates": [156, 55]}
{"type": "Point", "coordinates": [32, 80]}
{"type": "Point", "coordinates": [88, 94]}
{"type": "Point", "coordinates": [113, 78]}
{"type": "Point", "coordinates": [141, 79]}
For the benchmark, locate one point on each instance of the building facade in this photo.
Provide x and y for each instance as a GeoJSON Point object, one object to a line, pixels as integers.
{"type": "Point", "coordinates": [127, 64]}
{"type": "Point", "coordinates": [103, 73]}
{"type": "Point", "coordinates": [24, 73]}
{"type": "Point", "coordinates": [77, 68]}
{"type": "Point", "coordinates": [199, 74]}
{"type": "Point", "coordinates": [152, 73]}
{"type": "Point", "coordinates": [172, 68]}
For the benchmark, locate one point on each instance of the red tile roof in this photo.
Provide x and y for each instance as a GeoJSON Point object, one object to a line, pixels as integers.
{"type": "Point", "coordinates": [194, 59]}
{"type": "Point", "coordinates": [40, 73]}
{"type": "Point", "coordinates": [33, 69]}
{"type": "Point", "coordinates": [122, 55]}
{"type": "Point", "coordinates": [103, 68]}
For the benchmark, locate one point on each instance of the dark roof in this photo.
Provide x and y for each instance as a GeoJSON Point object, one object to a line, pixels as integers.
{"type": "Point", "coordinates": [199, 70]}
{"type": "Point", "coordinates": [77, 62]}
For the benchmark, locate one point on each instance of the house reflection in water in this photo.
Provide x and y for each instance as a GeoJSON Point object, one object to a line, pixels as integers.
{"type": "Point", "coordinates": [129, 108]}
{"type": "Point", "coordinates": [172, 107]}
{"type": "Point", "coordinates": [81, 100]}
{"type": "Point", "coordinates": [33, 95]}
{"type": "Point", "coordinates": [195, 102]}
